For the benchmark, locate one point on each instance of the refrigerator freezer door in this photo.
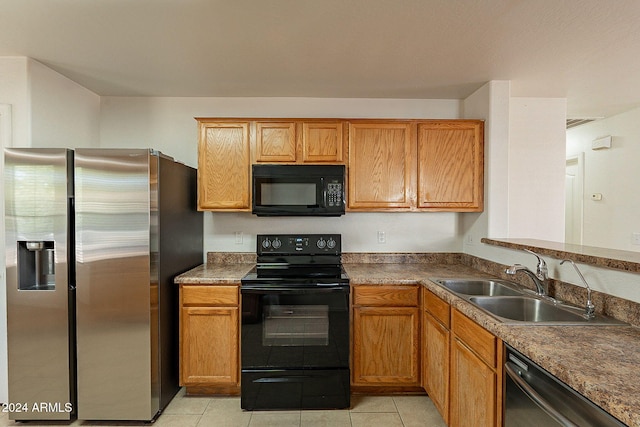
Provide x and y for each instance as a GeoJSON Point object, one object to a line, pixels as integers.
{"type": "Point", "coordinates": [114, 199]}
{"type": "Point", "coordinates": [38, 190]}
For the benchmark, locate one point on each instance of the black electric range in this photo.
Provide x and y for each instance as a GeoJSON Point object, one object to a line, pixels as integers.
{"type": "Point", "coordinates": [295, 325]}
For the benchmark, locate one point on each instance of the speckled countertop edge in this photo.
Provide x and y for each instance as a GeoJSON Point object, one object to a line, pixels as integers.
{"type": "Point", "coordinates": [214, 274]}
{"type": "Point", "coordinates": [602, 257]}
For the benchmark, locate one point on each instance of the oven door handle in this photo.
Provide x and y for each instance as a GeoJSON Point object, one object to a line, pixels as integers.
{"type": "Point", "coordinates": [532, 394]}
{"type": "Point", "coordinates": [274, 265]}
{"type": "Point", "coordinates": [286, 379]}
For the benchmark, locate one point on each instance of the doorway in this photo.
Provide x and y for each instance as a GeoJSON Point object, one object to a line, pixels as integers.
{"type": "Point", "coordinates": [574, 199]}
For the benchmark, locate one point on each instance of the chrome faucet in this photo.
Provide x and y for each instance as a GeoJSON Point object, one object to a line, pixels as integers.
{"type": "Point", "coordinates": [540, 277]}
{"type": "Point", "coordinates": [589, 309]}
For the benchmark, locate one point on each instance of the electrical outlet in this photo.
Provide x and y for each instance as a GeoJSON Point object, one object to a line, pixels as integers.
{"type": "Point", "coordinates": [635, 238]}
{"type": "Point", "coordinates": [239, 237]}
{"type": "Point", "coordinates": [470, 239]}
{"type": "Point", "coordinates": [382, 237]}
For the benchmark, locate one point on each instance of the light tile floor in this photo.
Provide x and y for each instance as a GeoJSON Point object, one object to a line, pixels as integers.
{"type": "Point", "coordinates": [366, 411]}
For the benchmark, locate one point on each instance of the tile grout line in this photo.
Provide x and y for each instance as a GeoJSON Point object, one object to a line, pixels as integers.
{"type": "Point", "coordinates": [393, 399]}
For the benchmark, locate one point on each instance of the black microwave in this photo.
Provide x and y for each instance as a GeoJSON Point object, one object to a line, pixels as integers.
{"type": "Point", "coordinates": [298, 190]}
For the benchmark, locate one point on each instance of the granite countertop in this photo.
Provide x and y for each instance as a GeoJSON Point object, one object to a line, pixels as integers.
{"type": "Point", "coordinates": [601, 257]}
{"type": "Point", "coordinates": [214, 274]}
{"type": "Point", "coordinates": [600, 362]}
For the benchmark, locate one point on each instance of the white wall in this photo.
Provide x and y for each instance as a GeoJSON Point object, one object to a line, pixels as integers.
{"type": "Point", "coordinates": [491, 103]}
{"type": "Point", "coordinates": [48, 109]}
{"type": "Point", "coordinates": [63, 113]}
{"type": "Point", "coordinates": [14, 91]}
{"type": "Point", "coordinates": [614, 173]}
{"type": "Point", "coordinates": [168, 124]}
{"type": "Point", "coordinates": [537, 143]}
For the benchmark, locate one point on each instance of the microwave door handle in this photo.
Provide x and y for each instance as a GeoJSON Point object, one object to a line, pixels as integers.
{"type": "Point", "coordinates": [324, 192]}
{"type": "Point", "coordinates": [532, 394]}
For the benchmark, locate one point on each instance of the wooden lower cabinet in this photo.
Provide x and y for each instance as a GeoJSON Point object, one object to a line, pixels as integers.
{"type": "Point", "coordinates": [462, 366]}
{"type": "Point", "coordinates": [473, 386]}
{"type": "Point", "coordinates": [385, 339]}
{"type": "Point", "coordinates": [476, 375]}
{"type": "Point", "coordinates": [209, 339]}
{"type": "Point", "coordinates": [435, 354]}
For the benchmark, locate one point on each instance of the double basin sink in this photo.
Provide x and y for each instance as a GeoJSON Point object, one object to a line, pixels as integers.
{"type": "Point", "coordinates": [510, 303]}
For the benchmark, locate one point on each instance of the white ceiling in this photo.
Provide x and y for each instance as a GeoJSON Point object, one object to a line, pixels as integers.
{"type": "Point", "coordinates": [585, 50]}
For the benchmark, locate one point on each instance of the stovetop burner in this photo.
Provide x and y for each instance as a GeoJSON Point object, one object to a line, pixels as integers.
{"type": "Point", "coordinates": [307, 260]}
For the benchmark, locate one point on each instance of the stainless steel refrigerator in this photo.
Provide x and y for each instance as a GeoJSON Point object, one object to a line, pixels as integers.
{"type": "Point", "coordinates": [94, 238]}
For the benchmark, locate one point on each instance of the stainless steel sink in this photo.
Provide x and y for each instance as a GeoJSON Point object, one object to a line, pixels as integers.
{"type": "Point", "coordinates": [536, 310]}
{"type": "Point", "coordinates": [479, 287]}
{"type": "Point", "coordinates": [509, 303]}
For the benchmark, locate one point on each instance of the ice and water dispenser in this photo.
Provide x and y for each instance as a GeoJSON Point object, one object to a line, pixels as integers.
{"type": "Point", "coordinates": [36, 266]}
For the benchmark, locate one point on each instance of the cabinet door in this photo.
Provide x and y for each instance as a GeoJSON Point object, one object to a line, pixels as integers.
{"type": "Point", "coordinates": [381, 166]}
{"type": "Point", "coordinates": [275, 141]}
{"type": "Point", "coordinates": [451, 165]}
{"type": "Point", "coordinates": [210, 348]}
{"type": "Point", "coordinates": [436, 363]}
{"type": "Point", "coordinates": [322, 142]}
{"type": "Point", "coordinates": [386, 346]}
{"type": "Point", "coordinates": [473, 389]}
{"type": "Point", "coordinates": [223, 166]}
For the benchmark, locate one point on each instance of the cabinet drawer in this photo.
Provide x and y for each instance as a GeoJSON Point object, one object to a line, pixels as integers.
{"type": "Point", "coordinates": [210, 295]}
{"type": "Point", "coordinates": [438, 308]}
{"type": "Point", "coordinates": [386, 296]}
{"type": "Point", "coordinates": [478, 339]}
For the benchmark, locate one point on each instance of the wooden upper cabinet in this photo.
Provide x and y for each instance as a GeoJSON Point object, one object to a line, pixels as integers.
{"type": "Point", "coordinates": [299, 141]}
{"type": "Point", "coordinates": [275, 141]}
{"type": "Point", "coordinates": [322, 142]}
{"type": "Point", "coordinates": [393, 165]}
{"type": "Point", "coordinates": [381, 166]}
{"type": "Point", "coordinates": [223, 166]}
{"type": "Point", "coordinates": [451, 165]}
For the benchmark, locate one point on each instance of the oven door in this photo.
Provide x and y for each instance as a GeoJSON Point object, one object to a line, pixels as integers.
{"type": "Point", "coordinates": [295, 348]}
{"type": "Point", "coordinates": [295, 328]}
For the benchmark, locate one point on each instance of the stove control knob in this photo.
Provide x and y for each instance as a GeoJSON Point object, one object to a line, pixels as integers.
{"type": "Point", "coordinates": [266, 243]}
{"type": "Point", "coordinates": [276, 243]}
{"type": "Point", "coordinates": [321, 243]}
{"type": "Point", "coordinates": [331, 243]}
